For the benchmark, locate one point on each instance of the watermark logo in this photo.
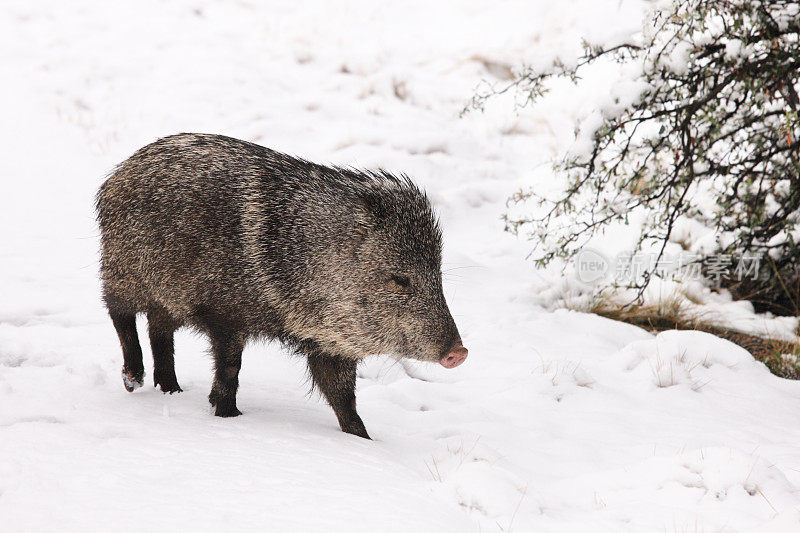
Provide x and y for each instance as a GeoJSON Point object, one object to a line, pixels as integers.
{"type": "Point", "coordinates": [591, 266]}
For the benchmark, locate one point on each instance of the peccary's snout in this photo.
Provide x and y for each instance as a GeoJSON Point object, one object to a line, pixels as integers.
{"type": "Point", "coordinates": [455, 356]}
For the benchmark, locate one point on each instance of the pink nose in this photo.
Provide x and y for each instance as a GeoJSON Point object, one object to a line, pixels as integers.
{"type": "Point", "coordinates": [454, 358]}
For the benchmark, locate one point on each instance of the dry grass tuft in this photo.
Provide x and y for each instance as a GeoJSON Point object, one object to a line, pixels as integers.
{"type": "Point", "coordinates": [780, 356]}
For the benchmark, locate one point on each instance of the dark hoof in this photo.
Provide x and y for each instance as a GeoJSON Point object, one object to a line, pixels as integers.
{"type": "Point", "coordinates": [225, 407]}
{"type": "Point", "coordinates": [358, 433]}
{"type": "Point", "coordinates": [227, 412]}
{"type": "Point", "coordinates": [132, 380]}
{"type": "Point", "coordinates": [356, 428]}
{"type": "Point", "coordinates": [167, 385]}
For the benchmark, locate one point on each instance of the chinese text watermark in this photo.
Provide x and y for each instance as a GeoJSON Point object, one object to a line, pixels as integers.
{"type": "Point", "coordinates": [592, 266]}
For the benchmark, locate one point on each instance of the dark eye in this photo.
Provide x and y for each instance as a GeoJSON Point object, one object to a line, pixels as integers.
{"type": "Point", "coordinates": [399, 281]}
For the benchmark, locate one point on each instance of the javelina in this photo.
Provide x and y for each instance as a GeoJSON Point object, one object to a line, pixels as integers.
{"type": "Point", "coordinates": [240, 242]}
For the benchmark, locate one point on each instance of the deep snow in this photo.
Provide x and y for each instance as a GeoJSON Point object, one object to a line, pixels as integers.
{"type": "Point", "coordinates": [558, 421]}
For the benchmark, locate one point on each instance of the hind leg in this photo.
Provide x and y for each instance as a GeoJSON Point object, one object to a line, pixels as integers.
{"type": "Point", "coordinates": [132, 368]}
{"type": "Point", "coordinates": [161, 328]}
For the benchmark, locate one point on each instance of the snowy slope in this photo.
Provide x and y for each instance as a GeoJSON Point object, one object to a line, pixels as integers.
{"type": "Point", "coordinates": [559, 421]}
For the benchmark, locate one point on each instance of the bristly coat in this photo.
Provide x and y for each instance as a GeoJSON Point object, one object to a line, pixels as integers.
{"type": "Point", "coordinates": [239, 241]}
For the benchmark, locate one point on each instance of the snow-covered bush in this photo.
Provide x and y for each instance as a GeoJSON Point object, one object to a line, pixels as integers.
{"type": "Point", "coordinates": [704, 126]}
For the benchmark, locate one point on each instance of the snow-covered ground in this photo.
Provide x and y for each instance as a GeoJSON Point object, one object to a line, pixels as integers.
{"type": "Point", "coordinates": [559, 420]}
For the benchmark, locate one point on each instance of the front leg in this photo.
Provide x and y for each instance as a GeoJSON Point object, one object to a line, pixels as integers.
{"type": "Point", "coordinates": [335, 377]}
{"type": "Point", "coordinates": [227, 346]}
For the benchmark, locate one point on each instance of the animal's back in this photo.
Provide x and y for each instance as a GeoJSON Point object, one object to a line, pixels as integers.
{"type": "Point", "coordinates": [171, 221]}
